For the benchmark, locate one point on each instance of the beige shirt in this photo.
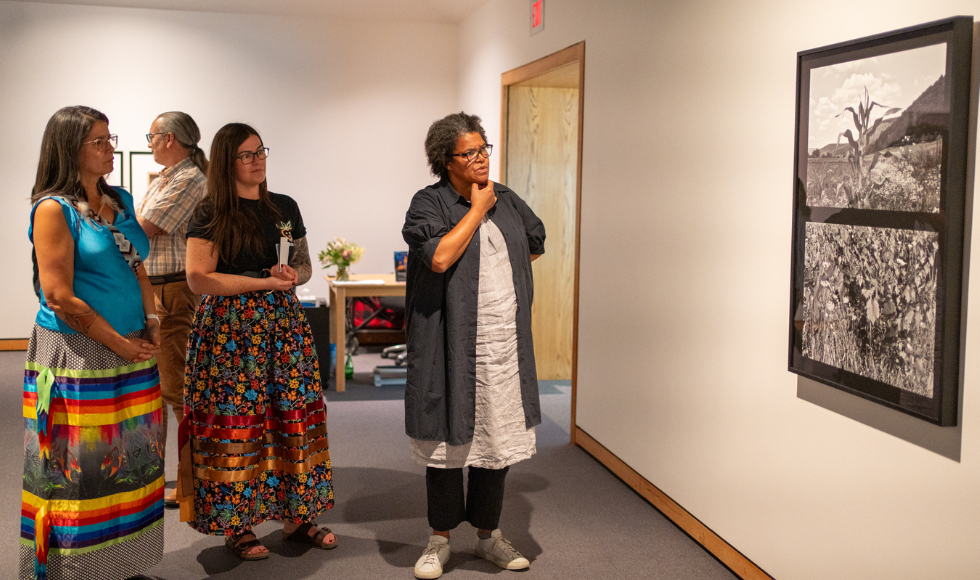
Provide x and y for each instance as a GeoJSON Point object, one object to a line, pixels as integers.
{"type": "Point", "coordinates": [168, 204]}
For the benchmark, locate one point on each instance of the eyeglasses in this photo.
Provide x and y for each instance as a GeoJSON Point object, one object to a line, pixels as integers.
{"type": "Point", "coordinates": [470, 155]}
{"type": "Point", "coordinates": [102, 142]}
{"type": "Point", "coordinates": [149, 136]}
{"type": "Point", "coordinates": [249, 156]}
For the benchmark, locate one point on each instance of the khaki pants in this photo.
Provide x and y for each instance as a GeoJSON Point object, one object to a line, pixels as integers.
{"type": "Point", "coordinates": [176, 305]}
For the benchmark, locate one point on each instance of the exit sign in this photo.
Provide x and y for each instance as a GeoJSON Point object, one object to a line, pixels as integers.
{"type": "Point", "coordinates": [537, 16]}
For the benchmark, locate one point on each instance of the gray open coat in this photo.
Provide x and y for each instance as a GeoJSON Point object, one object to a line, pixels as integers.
{"type": "Point", "coordinates": [441, 312]}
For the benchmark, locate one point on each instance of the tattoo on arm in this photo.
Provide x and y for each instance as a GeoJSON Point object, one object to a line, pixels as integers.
{"type": "Point", "coordinates": [301, 262]}
{"type": "Point", "coordinates": [80, 322]}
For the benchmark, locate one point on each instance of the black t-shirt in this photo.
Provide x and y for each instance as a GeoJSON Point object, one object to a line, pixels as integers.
{"type": "Point", "coordinates": [289, 223]}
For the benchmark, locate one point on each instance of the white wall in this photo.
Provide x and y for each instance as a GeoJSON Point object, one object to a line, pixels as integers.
{"type": "Point", "coordinates": [686, 217]}
{"type": "Point", "coordinates": [344, 106]}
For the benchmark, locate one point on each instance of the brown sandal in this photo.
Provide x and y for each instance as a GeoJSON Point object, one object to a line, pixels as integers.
{"type": "Point", "coordinates": [241, 549]}
{"type": "Point", "coordinates": [302, 536]}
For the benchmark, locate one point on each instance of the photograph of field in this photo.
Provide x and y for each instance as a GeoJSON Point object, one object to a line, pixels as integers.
{"type": "Point", "coordinates": [875, 132]}
{"type": "Point", "coordinates": [869, 302]}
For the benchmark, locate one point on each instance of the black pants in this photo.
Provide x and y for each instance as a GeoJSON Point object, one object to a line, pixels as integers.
{"type": "Point", "coordinates": [481, 506]}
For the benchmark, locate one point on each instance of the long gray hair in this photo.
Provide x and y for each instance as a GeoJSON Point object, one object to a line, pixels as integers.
{"type": "Point", "coordinates": [57, 168]}
{"type": "Point", "coordinates": [186, 133]}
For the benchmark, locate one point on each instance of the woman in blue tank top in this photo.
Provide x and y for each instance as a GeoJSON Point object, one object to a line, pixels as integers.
{"type": "Point", "coordinates": [92, 501]}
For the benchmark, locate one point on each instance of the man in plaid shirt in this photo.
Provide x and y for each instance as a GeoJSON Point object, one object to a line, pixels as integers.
{"type": "Point", "coordinates": [164, 214]}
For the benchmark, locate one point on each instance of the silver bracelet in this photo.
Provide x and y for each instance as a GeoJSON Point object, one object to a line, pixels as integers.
{"type": "Point", "coordinates": [153, 316]}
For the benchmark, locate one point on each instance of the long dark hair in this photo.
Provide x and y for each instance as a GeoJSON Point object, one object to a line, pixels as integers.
{"type": "Point", "coordinates": [57, 168]}
{"type": "Point", "coordinates": [232, 228]}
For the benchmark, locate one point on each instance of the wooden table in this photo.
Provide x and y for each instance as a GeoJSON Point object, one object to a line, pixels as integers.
{"type": "Point", "coordinates": [339, 293]}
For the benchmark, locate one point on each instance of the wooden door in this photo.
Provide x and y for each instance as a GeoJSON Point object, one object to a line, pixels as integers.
{"type": "Point", "coordinates": [542, 148]}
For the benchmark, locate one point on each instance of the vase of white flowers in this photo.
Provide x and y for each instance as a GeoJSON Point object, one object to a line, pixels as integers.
{"type": "Point", "coordinates": [342, 254]}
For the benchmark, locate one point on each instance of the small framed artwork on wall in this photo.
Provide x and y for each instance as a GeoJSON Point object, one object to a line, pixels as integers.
{"type": "Point", "coordinates": [879, 216]}
{"type": "Point", "coordinates": [142, 170]}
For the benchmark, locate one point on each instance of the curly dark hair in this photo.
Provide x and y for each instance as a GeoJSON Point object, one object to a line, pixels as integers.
{"type": "Point", "coordinates": [442, 138]}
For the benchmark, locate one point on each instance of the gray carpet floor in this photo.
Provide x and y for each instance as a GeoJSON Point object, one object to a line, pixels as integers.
{"type": "Point", "coordinates": [563, 510]}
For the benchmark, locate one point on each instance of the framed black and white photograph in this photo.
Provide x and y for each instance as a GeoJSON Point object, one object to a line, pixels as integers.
{"type": "Point", "coordinates": [878, 216]}
{"type": "Point", "coordinates": [115, 178]}
{"type": "Point", "coordinates": [142, 170]}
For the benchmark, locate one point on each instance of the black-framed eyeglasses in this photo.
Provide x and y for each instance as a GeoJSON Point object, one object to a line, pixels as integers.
{"type": "Point", "coordinates": [250, 156]}
{"type": "Point", "coordinates": [149, 136]}
{"type": "Point", "coordinates": [470, 155]}
{"type": "Point", "coordinates": [102, 142]}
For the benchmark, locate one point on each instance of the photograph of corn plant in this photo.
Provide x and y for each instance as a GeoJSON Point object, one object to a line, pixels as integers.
{"type": "Point", "coordinates": [876, 129]}
{"type": "Point", "coordinates": [869, 302]}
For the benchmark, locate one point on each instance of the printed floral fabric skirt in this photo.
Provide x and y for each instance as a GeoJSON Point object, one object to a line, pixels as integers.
{"type": "Point", "coordinates": [92, 503]}
{"type": "Point", "coordinates": [256, 423]}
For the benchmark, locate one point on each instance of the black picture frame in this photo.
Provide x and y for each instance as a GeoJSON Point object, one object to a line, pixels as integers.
{"type": "Point", "coordinates": [876, 287]}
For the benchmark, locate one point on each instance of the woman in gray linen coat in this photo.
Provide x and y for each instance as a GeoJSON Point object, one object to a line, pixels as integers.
{"type": "Point", "coordinates": [471, 398]}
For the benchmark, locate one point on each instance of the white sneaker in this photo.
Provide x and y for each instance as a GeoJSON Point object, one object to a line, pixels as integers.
{"type": "Point", "coordinates": [499, 551]}
{"type": "Point", "coordinates": [436, 554]}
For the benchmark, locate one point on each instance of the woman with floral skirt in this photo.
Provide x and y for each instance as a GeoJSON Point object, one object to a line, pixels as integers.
{"type": "Point", "coordinates": [254, 439]}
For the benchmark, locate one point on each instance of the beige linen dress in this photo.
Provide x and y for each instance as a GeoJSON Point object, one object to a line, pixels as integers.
{"type": "Point", "coordinates": [500, 437]}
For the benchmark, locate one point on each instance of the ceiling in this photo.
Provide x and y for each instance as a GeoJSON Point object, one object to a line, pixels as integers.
{"type": "Point", "coordinates": [445, 11]}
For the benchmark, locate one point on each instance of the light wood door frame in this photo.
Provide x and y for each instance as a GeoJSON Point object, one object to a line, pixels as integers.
{"type": "Point", "coordinates": [563, 57]}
